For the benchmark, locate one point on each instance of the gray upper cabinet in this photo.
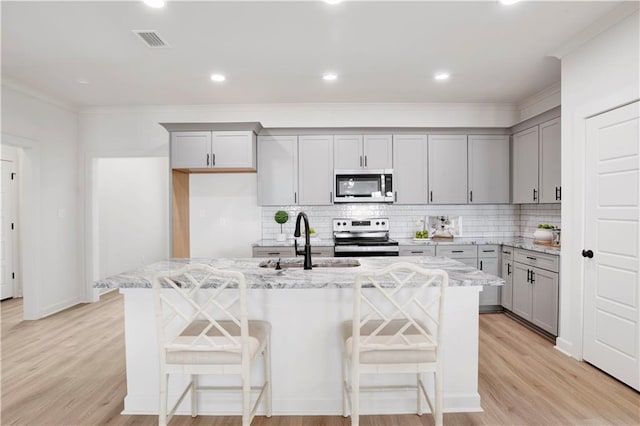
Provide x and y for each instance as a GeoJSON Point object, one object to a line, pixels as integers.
{"type": "Point", "coordinates": [447, 169]}
{"type": "Point", "coordinates": [352, 152]}
{"type": "Point", "coordinates": [233, 150]}
{"type": "Point", "coordinates": [536, 164]}
{"type": "Point", "coordinates": [378, 151]}
{"type": "Point", "coordinates": [525, 166]}
{"type": "Point", "coordinates": [488, 169]}
{"type": "Point", "coordinates": [410, 169]}
{"type": "Point", "coordinates": [213, 150]}
{"type": "Point", "coordinates": [549, 171]}
{"type": "Point", "coordinates": [315, 170]}
{"type": "Point", "coordinates": [277, 170]}
{"type": "Point", "coordinates": [190, 150]}
{"type": "Point", "coordinates": [348, 152]}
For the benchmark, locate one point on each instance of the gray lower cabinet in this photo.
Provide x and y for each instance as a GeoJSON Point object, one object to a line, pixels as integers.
{"type": "Point", "coordinates": [535, 290]}
{"type": "Point", "coordinates": [279, 251]}
{"type": "Point", "coordinates": [489, 262]}
{"type": "Point", "coordinates": [267, 251]}
{"type": "Point", "coordinates": [417, 251]}
{"type": "Point", "coordinates": [506, 299]}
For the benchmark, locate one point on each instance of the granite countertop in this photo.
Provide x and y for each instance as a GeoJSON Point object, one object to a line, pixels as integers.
{"type": "Point", "coordinates": [444, 242]}
{"type": "Point", "coordinates": [298, 278]}
{"type": "Point", "coordinates": [527, 244]}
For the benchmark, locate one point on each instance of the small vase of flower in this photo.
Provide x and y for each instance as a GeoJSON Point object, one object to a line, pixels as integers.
{"type": "Point", "coordinates": [544, 233]}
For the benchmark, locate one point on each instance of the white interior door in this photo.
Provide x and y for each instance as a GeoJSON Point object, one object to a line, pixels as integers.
{"type": "Point", "coordinates": [612, 293]}
{"type": "Point", "coordinates": [6, 232]}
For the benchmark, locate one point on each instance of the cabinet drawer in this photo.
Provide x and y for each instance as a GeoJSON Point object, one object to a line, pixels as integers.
{"type": "Point", "coordinates": [507, 253]}
{"type": "Point", "coordinates": [273, 252]}
{"type": "Point", "coordinates": [488, 251]}
{"type": "Point", "coordinates": [533, 258]}
{"type": "Point", "coordinates": [320, 251]}
{"type": "Point", "coordinates": [457, 252]}
{"type": "Point", "coordinates": [417, 251]}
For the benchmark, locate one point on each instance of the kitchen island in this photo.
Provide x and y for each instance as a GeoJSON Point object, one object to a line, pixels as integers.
{"type": "Point", "coordinates": [305, 309]}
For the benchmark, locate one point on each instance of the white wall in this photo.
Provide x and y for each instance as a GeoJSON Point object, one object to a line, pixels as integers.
{"type": "Point", "coordinates": [132, 213]}
{"type": "Point", "coordinates": [224, 214]}
{"type": "Point", "coordinates": [599, 75]}
{"type": "Point", "coordinates": [51, 228]}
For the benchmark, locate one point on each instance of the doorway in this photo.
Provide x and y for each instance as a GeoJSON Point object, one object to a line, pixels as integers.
{"type": "Point", "coordinates": [8, 225]}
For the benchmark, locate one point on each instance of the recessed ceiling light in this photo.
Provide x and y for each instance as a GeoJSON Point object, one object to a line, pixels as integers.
{"type": "Point", "coordinates": [82, 81]}
{"type": "Point", "coordinates": [218, 78]}
{"type": "Point", "coordinates": [330, 76]}
{"type": "Point", "coordinates": [441, 76]}
{"type": "Point", "coordinates": [156, 4]}
{"type": "Point", "coordinates": [509, 2]}
{"type": "Point", "coordinates": [333, 1]}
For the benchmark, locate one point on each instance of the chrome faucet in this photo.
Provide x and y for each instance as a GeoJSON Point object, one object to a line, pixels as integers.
{"type": "Point", "coordinates": [307, 241]}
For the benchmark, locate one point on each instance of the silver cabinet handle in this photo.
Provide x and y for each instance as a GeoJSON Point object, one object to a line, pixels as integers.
{"type": "Point", "coordinates": [213, 159]}
{"type": "Point", "coordinates": [295, 197]}
{"type": "Point", "coordinates": [531, 258]}
{"type": "Point", "coordinates": [471, 196]}
{"type": "Point", "coordinates": [330, 197]}
{"type": "Point", "coordinates": [395, 196]}
{"type": "Point", "coordinates": [361, 161]}
{"type": "Point", "coordinates": [207, 159]}
{"type": "Point", "coordinates": [365, 161]}
{"type": "Point", "coordinates": [417, 252]}
{"type": "Point", "coordinates": [481, 265]}
{"type": "Point", "coordinates": [431, 196]}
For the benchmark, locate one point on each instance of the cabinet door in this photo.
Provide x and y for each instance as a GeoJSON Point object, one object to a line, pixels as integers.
{"type": "Point", "coordinates": [277, 170]}
{"type": "Point", "coordinates": [488, 169]}
{"type": "Point", "coordinates": [507, 288]}
{"type": "Point", "coordinates": [315, 170]}
{"type": "Point", "coordinates": [545, 300]}
{"type": "Point", "coordinates": [448, 169]}
{"type": "Point", "coordinates": [525, 166]}
{"type": "Point", "coordinates": [522, 291]}
{"type": "Point", "coordinates": [233, 150]}
{"type": "Point", "coordinates": [549, 170]}
{"type": "Point", "coordinates": [378, 151]}
{"type": "Point", "coordinates": [347, 152]}
{"type": "Point", "coordinates": [410, 169]}
{"type": "Point", "coordinates": [190, 150]}
{"type": "Point", "coordinates": [490, 294]}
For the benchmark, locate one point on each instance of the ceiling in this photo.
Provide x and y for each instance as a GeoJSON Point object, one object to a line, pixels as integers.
{"type": "Point", "coordinates": [274, 52]}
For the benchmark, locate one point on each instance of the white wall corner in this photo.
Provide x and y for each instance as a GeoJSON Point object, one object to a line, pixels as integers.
{"type": "Point", "coordinates": [625, 9]}
{"type": "Point", "coordinates": [540, 102]}
{"type": "Point", "coordinates": [564, 346]}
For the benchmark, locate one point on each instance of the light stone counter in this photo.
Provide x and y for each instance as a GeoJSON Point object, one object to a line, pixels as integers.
{"type": "Point", "coordinates": [298, 278]}
{"type": "Point", "coordinates": [315, 242]}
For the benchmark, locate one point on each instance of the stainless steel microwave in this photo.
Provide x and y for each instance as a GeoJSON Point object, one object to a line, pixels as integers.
{"type": "Point", "coordinates": [363, 186]}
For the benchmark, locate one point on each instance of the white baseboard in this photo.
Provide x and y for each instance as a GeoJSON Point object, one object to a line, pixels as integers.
{"type": "Point", "coordinates": [229, 405]}
{"type": "Point", "coordinates": [564, 346]}
{"type": "Point", "coordinates": [58, 307]}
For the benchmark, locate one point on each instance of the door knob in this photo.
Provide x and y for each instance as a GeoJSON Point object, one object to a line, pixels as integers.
{"type": "Point", "coordinates": [587, 253]}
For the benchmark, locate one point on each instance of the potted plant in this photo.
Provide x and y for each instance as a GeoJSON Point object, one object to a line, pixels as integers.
{"type": "Point", "coordinates": [281, 217]}
{"type": "Point", "coordinates": [544, 232]}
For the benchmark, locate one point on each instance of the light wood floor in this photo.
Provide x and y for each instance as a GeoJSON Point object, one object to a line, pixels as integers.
{"type": "Point", "coordinates": [69, 369]}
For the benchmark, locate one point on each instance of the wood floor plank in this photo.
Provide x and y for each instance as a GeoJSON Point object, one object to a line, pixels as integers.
{"type": "Point", "coordinates": [69, 369]}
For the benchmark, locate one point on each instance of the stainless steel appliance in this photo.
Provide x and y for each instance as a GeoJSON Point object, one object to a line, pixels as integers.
{"type": "Point", "coordinates": [364, 186]}
{"type": "Point", "coordinates": [363, 237]}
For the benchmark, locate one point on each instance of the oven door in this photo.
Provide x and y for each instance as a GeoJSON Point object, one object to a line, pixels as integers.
{"type": "Point", "coordinates": [357, 186]}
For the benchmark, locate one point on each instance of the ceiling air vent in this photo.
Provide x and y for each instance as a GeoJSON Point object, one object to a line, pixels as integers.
{"type": "Point", "coordinates": [151, 38]}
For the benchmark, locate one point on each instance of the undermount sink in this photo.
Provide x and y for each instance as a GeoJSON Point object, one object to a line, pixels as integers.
{"type": "Point", "coordinates": [298, 262]}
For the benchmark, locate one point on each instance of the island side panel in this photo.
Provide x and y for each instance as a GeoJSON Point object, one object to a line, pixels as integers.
{"type": "Point", "coordinates": [306, 355]}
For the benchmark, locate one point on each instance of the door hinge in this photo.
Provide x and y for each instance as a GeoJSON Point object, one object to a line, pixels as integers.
{"type": "Point", "coordinates": [13, 176]}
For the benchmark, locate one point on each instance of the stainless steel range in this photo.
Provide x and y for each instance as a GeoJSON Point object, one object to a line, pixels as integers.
{"type": "Point", "coordinates": [363, 237]}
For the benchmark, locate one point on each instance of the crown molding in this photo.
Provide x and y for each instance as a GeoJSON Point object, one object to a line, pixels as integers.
{"type": "Point", "coordinates": [626, 9]}
{"type": "Point", "coordinates": [25, 90]}
{"type": "Point", "coordinates": [540, 102]}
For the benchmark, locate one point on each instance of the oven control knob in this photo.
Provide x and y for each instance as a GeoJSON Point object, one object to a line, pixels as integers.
{"type": "Point", "coordinates": [344, 223]}
{"type": "Point", "coordinates": [377, 223]}
{"type": "Point", "coordinates": [383, 223]}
